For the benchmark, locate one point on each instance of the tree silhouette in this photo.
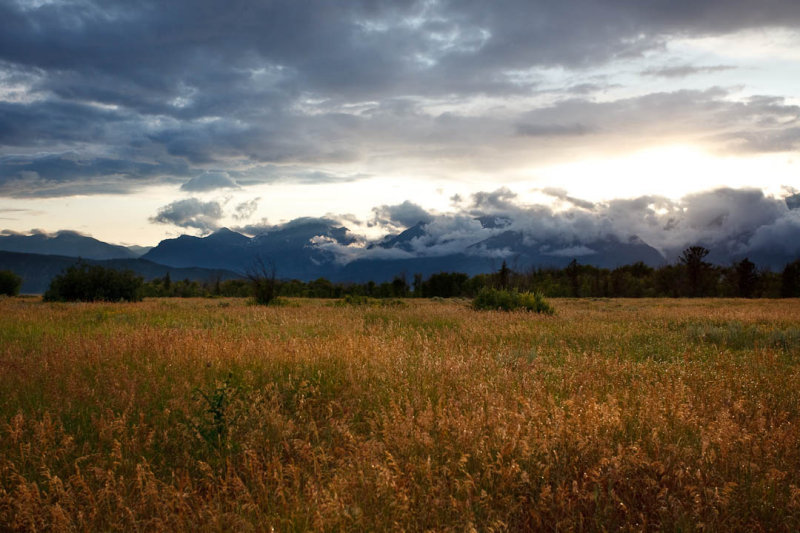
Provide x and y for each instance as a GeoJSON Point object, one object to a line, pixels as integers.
{"type": "Point", "coordinates": [262, 281]}
{"type": "Point", "coordinates": [417, 285]}
{"type": "Point", "coordinates": [790, 280]}
{"type": "Point", "coordinates": [10, 283]}
{"type": "Point", "coordinates": [83, 282]}
{"type": "Point", "coordinates": [503, 276]}
{"type": "Point", "coordinates": [746, 278]}
{"type": "Point", "coordinates": [573, 273]}
{"type": "Point", "coordinates": [696, 268]}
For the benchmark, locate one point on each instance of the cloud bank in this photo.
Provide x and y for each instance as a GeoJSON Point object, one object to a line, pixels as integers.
{"type": "Point", "coordinates": [732, 223]}
{"type": "Point", "coordinates": [110, 97]}
{"type": "Point", "coordinates": [190, 213]}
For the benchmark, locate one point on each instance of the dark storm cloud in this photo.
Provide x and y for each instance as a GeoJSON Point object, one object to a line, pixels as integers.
{"type": "Point", "coordinates": [327, 138]}
{"type": "Point", "coordinates": [733, 223]}
{"type": "Point", "coordinates": [66, 174]}
{"type": "Point", "coordinates": [337, 48]}
{"type": "Point", "coordinates": [730, 221]}
{"type": "Point", "coordinates": [255, 228]}
{"type": "Point", "coordinates": [500, 199]}
{"type": "Point", "coordinates": [191, 84]}
{"type": "Point", "coordinates": [190, 213]}
{"type": "Point", "coordinates": [402, 215]}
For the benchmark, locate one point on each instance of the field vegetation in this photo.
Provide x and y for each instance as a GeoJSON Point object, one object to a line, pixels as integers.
{"type": "Point", "coordinates": [690, 277]}
{"type": "Point", "coordinates": [178, 414]}
{"type": "Point", "coordinates": [83, 282]}
{"type": "Point", "coordinates": [511, 300]}
{"type": "Point", "coordinates": [10, 283]}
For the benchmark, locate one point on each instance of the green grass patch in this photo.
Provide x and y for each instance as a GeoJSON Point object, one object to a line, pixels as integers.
{"type": "Point", "coordinates": [511, 300]}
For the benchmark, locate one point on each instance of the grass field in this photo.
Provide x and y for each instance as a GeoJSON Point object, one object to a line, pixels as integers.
{"type": "Point", "coordinates": [217, 415]}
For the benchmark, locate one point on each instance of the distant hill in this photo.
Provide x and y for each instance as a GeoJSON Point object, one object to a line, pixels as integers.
{"type": "Point", "coordinates": [37, 270]}
{"type": "Point", "coordinates": [66, 243]}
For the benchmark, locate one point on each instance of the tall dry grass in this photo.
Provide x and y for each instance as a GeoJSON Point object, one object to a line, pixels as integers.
{"type": "Point", "coordinates": [216, 415]}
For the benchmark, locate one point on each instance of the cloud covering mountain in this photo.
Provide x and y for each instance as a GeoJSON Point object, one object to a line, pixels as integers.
{"type": "Point", "coordinates": [476, 236]}
{"type": "Point", "coordinates": [494, 226]}
{"type": "Point", "coordinates": [732, 223]}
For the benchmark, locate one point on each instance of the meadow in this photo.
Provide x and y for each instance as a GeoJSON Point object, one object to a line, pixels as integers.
{"type": "Point", "coordinates": [212, 414]}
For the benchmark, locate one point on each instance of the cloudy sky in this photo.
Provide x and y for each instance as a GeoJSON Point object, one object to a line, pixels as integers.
{"type": "Point", "coordinates": [136, 121]}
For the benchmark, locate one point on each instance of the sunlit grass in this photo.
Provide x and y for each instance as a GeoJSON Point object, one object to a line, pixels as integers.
{"type": "Point", "coordinates": [215, 414]}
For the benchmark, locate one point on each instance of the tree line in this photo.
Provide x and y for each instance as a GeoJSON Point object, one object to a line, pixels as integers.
{"type": "Point", "coordinates": [690, 276]}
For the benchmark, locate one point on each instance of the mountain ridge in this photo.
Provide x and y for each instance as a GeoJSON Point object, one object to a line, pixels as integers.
{"type": "Point", "coordinates": [37, 270]}
{"type": "Point", "coordinates": [65, 242]}
{"type": "Point", "coordinates": [311, 248]}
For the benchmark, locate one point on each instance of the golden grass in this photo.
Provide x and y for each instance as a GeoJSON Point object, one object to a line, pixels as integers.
{"type": "Point", "coordinates": [217, 415]}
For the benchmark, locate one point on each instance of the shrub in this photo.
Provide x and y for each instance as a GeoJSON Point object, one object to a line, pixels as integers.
{"type": "Point", "coordinates": [10, 283]}
{"type": "Point", "coordinates": [263, 285]}
{"type": "Point", "coordinates": [89, 283]}
{"type": "Point", "coordinates": [510, 300]}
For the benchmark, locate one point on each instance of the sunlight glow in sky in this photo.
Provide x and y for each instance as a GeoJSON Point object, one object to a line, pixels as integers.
{"type": "Point", "coordinates": [671, 171]}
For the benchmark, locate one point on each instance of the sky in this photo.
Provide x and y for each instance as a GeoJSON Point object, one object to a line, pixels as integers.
{"type": "Point", "coordinates": [138, 121]}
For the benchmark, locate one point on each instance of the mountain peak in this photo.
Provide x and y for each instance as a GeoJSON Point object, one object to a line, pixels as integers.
{"type": "Point", "coordinates": [225, 234]}
{"type": "Point", "coordinates": [403, 239]}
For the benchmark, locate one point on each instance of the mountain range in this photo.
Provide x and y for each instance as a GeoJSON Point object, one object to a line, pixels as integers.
{"type": "Point", "coordinates": [312, 248]}
{"type": "Point", "coordinates": [309, 248]}
{"type": "Point", "coordinates": [67, 243]}
{"type": "Point", "coordinates": [37, 270]}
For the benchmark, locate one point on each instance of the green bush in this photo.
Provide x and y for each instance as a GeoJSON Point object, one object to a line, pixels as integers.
{"type": "Point", "coordinates": [10, 283]}
{"type": "Point", "coordinates": [89, 283]}
{"type": "Point", "coordinates": [510, 300]}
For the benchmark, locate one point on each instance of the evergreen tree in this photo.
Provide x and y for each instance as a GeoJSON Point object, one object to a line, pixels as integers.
{"type": "Point", "coordinates": [696, 269]}
{"type": "Point", "coordinates": [503, 276]}
{"type": "Point", "coordinates": [746, 278]}
{"type": "Point", "coordinates": [790, 280]}
{"type": "Point", "coordinates": [573, 274]}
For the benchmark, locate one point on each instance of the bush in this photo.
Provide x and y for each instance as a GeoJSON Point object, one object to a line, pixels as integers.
{"type": "Point", "coordinates": [10, 283]}
{"type": "Point", "coordinates": [263, 285]}
{"type": "Point", "coordinates": [510, 300]}
{"type": "Point", "coordinates": [90, 283]}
